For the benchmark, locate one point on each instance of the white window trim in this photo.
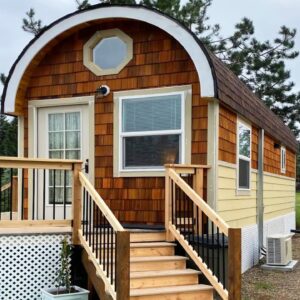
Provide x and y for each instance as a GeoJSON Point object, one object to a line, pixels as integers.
{"type": "Point", "coordinates": [185, 131]}
{"type": "Point", "coordinates": [88, 59]}
{"type": "Point", "coordinates": [243, 191]}
{"type": "Point", "coordinates": [283, 154]}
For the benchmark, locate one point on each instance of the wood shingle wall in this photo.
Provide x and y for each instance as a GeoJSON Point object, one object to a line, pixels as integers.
{"type": "Point", "coordinates": [158, 60]}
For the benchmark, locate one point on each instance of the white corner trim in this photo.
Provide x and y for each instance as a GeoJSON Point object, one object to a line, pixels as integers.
{"type": "Point", "coordinates": [136, 13]}
{"type": "Point", "coordinates": [213, 152]}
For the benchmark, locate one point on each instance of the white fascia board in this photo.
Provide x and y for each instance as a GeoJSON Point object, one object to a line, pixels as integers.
{"type": "Point", "coordinates": [135, 13]}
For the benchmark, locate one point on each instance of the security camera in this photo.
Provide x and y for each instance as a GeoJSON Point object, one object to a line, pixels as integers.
{"type": "Point", "coordinates": [103, 91]}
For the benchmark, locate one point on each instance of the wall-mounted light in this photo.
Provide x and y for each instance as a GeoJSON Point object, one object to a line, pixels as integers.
{"type": "Point", "coordinates": [102, 91]}
{"type": "Point", "coordinates": [277, 146]}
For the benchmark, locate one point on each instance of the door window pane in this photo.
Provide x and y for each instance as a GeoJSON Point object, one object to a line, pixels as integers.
{"type": "Point", "coordinates": [151, 151]}
{"type": "Point", "coordinates": [64, 134]}
{"type": "Point", "coordinates": [56, 122]}
{"type": "Point", "coordinates": [72, 139]}
{"type": "Point", "coordinates": [56, 140]}
{"type": "Point", "coordinates": [152, 113]}
{"type": "Point", "coordinates": [73, 121]}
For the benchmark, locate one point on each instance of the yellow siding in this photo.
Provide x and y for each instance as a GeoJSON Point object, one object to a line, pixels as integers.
{"type": "Point", "coordinates": [237, 210]}
{"type": "Point", "coordinates": [279, 195]}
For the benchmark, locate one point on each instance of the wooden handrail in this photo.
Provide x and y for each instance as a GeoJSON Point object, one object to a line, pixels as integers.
{"type": "Point", "coordinates": [208, 211]}
{"type": "Point", "coordinates": [100, 203]}
{"type": "Point", "coordinates": [5, 187]}
{"type": "Point", "coordinates": [37, 163]}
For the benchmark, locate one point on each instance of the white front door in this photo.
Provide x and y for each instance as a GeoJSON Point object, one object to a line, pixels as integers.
{"type": "Point", "coordinates": [62, 133]}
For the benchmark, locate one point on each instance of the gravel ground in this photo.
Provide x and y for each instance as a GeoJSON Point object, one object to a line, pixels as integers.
{"type": "Point", "coordinates": [258, 284]}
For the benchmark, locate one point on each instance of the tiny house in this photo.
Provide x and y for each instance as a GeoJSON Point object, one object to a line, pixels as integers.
{"type": "Point", "coordinates": [132, 103]}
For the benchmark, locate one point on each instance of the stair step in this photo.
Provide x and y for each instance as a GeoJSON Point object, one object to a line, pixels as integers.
{"type": "Point", "coordinates": [147, 236]}
{"type": "Point", "coordinates": [186, 292]}
{"type": "Point", "coordinates": [153, 263]}
{"type": "Point", "coordinates": [163, 278]}
{"type": "Point", "coordinates": [152, 249]}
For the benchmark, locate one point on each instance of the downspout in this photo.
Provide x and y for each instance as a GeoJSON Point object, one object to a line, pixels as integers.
{"type": "Point", "coordinates": [260, 191]}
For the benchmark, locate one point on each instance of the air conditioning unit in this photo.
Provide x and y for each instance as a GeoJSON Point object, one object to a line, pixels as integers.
{"type": "Point", "coordinates": [279, 249]}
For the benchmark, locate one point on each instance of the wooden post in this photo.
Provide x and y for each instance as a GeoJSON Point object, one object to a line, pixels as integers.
{"type": "Point", "coordinates": [122, 265]}
{"type": "Point", "coordinates": [234, 264]}
{"type": "Point", "coordinates": [15, 194]}
{"type": "Point", "coordinates": [198, 186]}
{"type": "Point", "coordinates": [167, 205]}
{"type": "Point", "coordinates": [77, 205]}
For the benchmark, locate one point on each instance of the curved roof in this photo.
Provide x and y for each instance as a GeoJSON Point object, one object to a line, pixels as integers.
{"type": "Point", "coordinates": [216, 79]}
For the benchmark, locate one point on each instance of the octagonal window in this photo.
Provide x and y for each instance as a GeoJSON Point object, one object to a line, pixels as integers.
{"type": "Point", "coordinates": [110, 52]}
{"type": "Point", "coordinates": [107, 52]}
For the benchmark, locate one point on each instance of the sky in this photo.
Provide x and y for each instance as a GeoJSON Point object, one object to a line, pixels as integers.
{"type": "Point", "coordinates": [267, 15]}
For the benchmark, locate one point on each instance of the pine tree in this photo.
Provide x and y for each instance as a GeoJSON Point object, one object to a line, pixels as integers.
{"type": "Point", "coordinates": [30, 24]}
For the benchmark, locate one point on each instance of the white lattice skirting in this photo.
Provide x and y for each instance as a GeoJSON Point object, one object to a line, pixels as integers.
{"type": "Point", "coordinates": [28, 264]}
{"type": "Point", "coordinates": [282, 224]}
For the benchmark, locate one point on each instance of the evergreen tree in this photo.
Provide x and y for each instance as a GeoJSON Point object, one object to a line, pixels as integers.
{"type": "Point", "coordinates": [30, 24]}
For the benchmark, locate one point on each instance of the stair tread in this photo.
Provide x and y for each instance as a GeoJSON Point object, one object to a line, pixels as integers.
{"type": "Point", "coordinates": [145, 274]}
{"type": "Point", "coordinates": [169, 290]}
{"type": "Point", "coordinates": [157, 258]}
{"type": "Point", "coordinates": [151, 244]}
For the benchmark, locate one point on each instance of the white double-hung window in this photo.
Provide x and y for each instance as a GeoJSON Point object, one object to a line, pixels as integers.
{"type": "Point", "coordinates": [151, 132]}
{"type": "Point", "coordinates": [244, 156]}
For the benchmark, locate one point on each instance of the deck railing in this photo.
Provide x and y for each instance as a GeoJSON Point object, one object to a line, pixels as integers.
{"type": "Point", "coordinates": [47, 193]}
{"type": "Point", "coordinates": [36, 189]}
{"type": "Point", "coordinates": [213, 246]}
{"type": "Point", "coordinates": [106, 241]}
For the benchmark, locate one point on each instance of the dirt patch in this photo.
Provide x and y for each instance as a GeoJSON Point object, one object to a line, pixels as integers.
{"type": "Point", "coordinates": [258, 284]}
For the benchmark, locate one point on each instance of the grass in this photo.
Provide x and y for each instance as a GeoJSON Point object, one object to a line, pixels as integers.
{"type": "Point", "coordinates": [298, 210]}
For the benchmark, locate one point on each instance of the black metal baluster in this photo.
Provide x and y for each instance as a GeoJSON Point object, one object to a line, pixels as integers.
{"type": "Point", "coordinates": [53, 198]}
{"type": "Point", "coordinates": [22, 196]}
{"type": "Point", "coordinates": [33, 193]}
{"type": "Point", "coordinates": [83, 211]}
{"type": "Point", "coordinates": [218, 254]}
{"type": "Point", "coordinates": [112, 255]}
{"type": "Point", "coordinates": [65, 192]}
{"type": "Point", "coordinates": [223, 259]}
{"type": "Point", "coordinates": [100, 238]}
{"type": "Point", "coordinates": [202, 236]}
{"type": "Point", "coordinates": [11, 194]}
{"type": "Point", "coordinates": [104, 244]}
{"type": "Point", "coordinates": [44, 194]}
{"type": "Point", "coordinates": [197, 231]}
{"type": "Point", "coordinates": [116, 250]}
{"type": "Point", "coordinates": [93, 217]}
{"type": "Point", "coordinates": [90, 220]}
{"type": "Point", "coordinates": [97, 228]}
{"type": "Point", "coordinates": [108, 247]}
{"type": "Point", "coordinates": [207, 242]}
{"type": "Point", "coordinates": [1, 198]}
{"type": "Point", "coordinates": [87, 215]}
{"type": "Point", "coordinates": [213, 247]}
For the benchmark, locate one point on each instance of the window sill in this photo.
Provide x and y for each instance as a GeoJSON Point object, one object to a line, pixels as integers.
{"type": "Point", "coordinates": [140, 173]}
{"type": "Point", "coordinates": [243, 192]}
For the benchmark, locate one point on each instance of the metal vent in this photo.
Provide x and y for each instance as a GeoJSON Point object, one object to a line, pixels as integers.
{"type": "Point", "coordinates": [274, 251]}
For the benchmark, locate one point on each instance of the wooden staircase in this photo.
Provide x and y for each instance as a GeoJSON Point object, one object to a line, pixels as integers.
{"type": "Point", "coordinates": [142, 265]}
{"type": "Point", "coordinates": [157, 273]}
